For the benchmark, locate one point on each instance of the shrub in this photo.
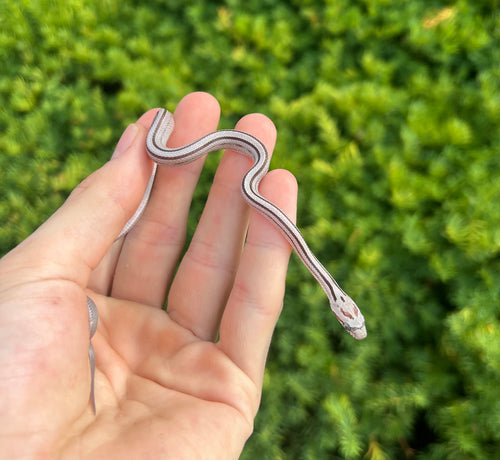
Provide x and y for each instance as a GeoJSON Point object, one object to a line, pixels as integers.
{"type": "Point", "coordinates": [387, 112]}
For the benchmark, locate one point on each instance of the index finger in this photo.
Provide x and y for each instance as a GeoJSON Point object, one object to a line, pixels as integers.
{"type": "Point", "coordinates": [76, 237]}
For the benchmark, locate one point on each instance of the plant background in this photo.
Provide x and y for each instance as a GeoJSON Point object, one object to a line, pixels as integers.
{"type": "Point", "coordinates": [388, 114]}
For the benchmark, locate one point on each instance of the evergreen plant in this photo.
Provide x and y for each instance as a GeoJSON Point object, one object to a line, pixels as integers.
{"type": "Point", "coordinates": [388, 113]}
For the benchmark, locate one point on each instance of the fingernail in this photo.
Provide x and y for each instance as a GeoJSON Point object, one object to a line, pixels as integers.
{"type": "Point", "coordinates": [126, 140]}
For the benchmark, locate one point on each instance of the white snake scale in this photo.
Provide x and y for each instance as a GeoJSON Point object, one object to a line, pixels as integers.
{"type": "Point", "coordinates": [341, 304]}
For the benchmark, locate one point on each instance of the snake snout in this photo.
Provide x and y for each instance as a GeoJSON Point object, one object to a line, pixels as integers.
{"type": "Point", "coordinates": [359, 333]}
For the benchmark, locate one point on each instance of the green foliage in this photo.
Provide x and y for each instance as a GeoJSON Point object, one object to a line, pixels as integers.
{"type": "Point", "coordinates": [387, 112]}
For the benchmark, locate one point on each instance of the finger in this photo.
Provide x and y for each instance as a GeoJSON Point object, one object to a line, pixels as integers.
{"type": "Point", "coordinates": [155, 243]}
{"type": "Point", "coordinates": [206, 273]}
{"type": "Point", "coordinates": [102, 276]}
{"type": "Point", "coordinates": [74, 240]}
{"type": "Point", "coordinates": [256, 299]}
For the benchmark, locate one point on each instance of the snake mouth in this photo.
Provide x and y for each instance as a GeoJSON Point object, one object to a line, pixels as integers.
{"type": "Point", "coordinates": [359, 333]}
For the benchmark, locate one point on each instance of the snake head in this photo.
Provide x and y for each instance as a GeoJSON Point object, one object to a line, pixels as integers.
{"type": "Point", "coordinates": [349, 315]}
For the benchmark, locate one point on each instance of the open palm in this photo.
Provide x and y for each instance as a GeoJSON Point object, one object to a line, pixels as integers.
{"type": "Point", "coordinates": [165, 388]}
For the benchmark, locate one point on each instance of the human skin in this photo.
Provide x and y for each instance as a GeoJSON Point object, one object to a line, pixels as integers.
{"type": "Point", "coordinates": [185, 383]}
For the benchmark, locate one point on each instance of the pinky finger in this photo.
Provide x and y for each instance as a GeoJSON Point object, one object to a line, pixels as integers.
{"type": "Point", "coordinates": [256, 300]}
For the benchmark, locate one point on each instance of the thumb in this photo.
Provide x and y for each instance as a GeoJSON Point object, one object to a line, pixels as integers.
{"type": "Point", "coordinates": [76, 237]}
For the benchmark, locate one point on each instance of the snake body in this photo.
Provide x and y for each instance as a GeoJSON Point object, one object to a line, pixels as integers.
{"type": "Point", "coordinates": [344, 308]}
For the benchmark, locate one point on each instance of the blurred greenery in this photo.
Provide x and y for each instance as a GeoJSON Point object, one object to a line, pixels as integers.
{"type": "Point", "coordinates": [388, 113]}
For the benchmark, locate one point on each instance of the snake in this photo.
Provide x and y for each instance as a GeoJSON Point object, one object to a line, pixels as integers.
{"type": "Point", "coordinates": [344, 308]}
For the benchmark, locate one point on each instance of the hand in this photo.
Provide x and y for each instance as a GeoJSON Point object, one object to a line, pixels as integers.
{"type": "Point", "coordinates": [165, 387]}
